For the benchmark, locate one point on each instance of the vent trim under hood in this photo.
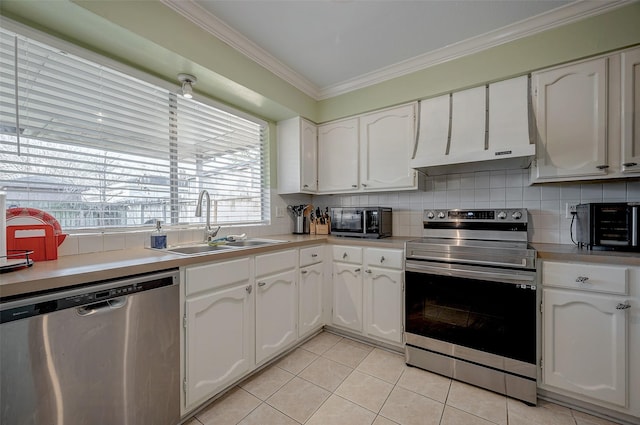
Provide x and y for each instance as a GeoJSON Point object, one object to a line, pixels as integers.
{"type": "Point", "coordinates": [483, 128]}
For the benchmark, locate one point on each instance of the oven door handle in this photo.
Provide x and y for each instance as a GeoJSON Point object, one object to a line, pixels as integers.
{"type": "Point", "coordinates": [412, 266]}
{"type": "Point", "coordinates": [523, 263]}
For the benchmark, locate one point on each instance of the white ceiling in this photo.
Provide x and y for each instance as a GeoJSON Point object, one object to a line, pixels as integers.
{"type": "Point", "coordinates": [329, 47]}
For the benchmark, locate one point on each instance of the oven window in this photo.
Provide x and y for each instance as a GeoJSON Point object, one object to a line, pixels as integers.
{"type": "Point", "coordinates": [498, 318]}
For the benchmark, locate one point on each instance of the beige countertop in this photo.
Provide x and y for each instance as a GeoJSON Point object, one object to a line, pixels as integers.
{"type": "Point", "coordinates": [81, 269]}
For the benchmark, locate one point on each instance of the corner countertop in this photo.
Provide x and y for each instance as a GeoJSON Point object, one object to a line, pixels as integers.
{"type": "Point", "coordinates": [82, 269]}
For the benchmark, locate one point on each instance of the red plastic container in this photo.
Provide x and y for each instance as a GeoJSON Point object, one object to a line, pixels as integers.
{"type": "Point", "coordinates": [39, 238]}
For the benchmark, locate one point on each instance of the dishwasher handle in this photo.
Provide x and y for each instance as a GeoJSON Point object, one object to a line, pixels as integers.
{"type": "Point", "coordinates": [102, 306]}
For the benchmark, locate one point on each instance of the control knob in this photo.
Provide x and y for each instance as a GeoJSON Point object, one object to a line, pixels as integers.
{"type": "Point", "coordinates": [441, 214]}
{"type": "Point", "coordinates": [502, 215]}
{"type": "Point", "coordinates": [517, 215]}
{"type": "Point", "coordinates": [430, 215]}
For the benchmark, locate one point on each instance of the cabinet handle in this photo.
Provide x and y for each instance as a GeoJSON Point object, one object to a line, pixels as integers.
{"type": "Point", "coordinates": [262, 283]}
{"type": "Point", "coordinates": [249, 289]}
{"type": "Point", "coordinates": [602, 167]}
{"type": "Point", "coordinates": [367, 271]}
{"type": "Point", "coordinates": [314, 255]}
{"type": "Point", "coordinates": [624, 306]}
{"type": "Point", "coordinates": [303, 271]}
{"type": "Point", "coordinates": [354, 185]}
{"type": "Point", "coordinates": [581, 279]}
{"type": "Point", "coordinates": [344, 255]}
{"type": "Point", "coordinates": [630, 164]}
{"type": "Point", "coordinates": [306, 185]}
{"type": "Point", "coordinates": [357, 270]}
{"type": "Point", "coordinates": [382, 259]}
{"type": "Point", "coordinates": [364, 185]}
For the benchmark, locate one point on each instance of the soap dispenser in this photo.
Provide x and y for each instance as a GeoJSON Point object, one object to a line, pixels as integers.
{"type": "Point", "coordinates": [158, 237]}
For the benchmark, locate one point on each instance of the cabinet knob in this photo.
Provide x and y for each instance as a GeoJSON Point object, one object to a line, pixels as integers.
{"type": "Point", "coordinates": [630, 164]}
{"type": "Point", "coordinates": [382, 259]}
{"type": "Point", "coordinates": [306, 185]}
{"type": "Point", "coordinates": [249, 289]}
{"type": "Point", "coordinates": [624, 306]}
{"type": "Point", "coordinates": [262, 283]}
{"type": "Point", "coordinates": [344, 255]}
{"type": "Point", "coordinates": [602, 167]}
{"type": "Point", "coordinates": [303, 271]}
{"type": "Point", "coordinates": [354, 185]}
{"type": "Point", "coordinates": [314, 255]}
{"type": "Point", "coordinates": [357, 270]}
{"type": "Point", "coordinates": [581, 279]}
{"type": "Point", "coordinates": [367, 271]}
{"type": "Point", "coordinates": [364, 185]}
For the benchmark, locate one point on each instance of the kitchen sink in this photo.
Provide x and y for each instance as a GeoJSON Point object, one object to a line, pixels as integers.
{"type": "Point", "coordinates": [198, 249]}
{"type": "Point", "coordinates": [251, 242]}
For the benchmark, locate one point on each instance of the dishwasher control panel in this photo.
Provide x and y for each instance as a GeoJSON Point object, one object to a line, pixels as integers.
{"type": "Point", "coordinates": [96, 294]}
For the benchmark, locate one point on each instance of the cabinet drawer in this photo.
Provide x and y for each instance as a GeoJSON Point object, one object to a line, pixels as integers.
{"type": "Point", "coordinates": [278, 261]}
{"type": "Point", "coordinates": [311, 255]}
{"type": "Point", "coordinates": [215, 275]}
{"type": "Point", "coordinates": [587, 277]}
{"type": "Point", "coordinates": [347, 254]}
{"type": "Point", "coordinates": [391, 258]}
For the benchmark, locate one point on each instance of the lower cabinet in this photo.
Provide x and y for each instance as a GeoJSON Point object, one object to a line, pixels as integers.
{"type": "Point", "coordinates": [219, 328]}
{"type": "Point", "coordinates": [310, 299]}
{"type": "Point", "coordinates": [588, 335]}
{"type": "Point", "coordinates": [367, 291]}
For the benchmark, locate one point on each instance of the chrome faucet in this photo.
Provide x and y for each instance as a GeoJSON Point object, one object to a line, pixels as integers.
{"type": "Point", "coordinates": [209, 233]}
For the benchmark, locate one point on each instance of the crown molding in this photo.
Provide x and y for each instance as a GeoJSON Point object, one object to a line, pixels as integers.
{"type": "Point", "coordinates": [573, 12]}
{"type": "Point", "coordinates": [213, 25]}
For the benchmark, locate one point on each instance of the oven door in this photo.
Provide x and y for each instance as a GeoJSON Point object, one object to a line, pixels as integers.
{"type": "Point", "coordinates": [487, 309]}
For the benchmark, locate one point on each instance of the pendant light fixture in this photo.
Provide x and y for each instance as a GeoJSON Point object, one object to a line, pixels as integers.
{"type": "Point", "coordinates": [188, 81]}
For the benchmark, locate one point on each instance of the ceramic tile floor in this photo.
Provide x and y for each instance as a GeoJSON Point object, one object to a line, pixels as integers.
{"type": "Point", "coordinates": [331, 380]}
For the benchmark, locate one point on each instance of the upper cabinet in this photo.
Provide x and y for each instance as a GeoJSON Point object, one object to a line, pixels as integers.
{"type": "Point", "coordinates": [587, 119]}
{"type": "Point", "coordinates": [631, 111]}
{"type": "Point", "coordinates": [297, 156]}
{"type": "Point", "coordinates": [368, 153]}
{"type": "Point", "coordinates": [338, 156]}
{"type": "Point", "coordinates": [386, 141]}
{"type": "Point", "coordinates": [473, 128]}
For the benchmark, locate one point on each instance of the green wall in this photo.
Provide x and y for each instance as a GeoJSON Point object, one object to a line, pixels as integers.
{"type": "Point", "coordinates": [151, 37]}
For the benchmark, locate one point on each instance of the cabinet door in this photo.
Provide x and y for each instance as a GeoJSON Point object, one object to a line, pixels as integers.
{"type": "Point", "coordinates": [585, 344]}
{"type": "Point", "coordinates": [383, 301]}
{"type": "Point", "coordinates": [347, 296]}
{"type": "Point", "coordinates": [276, 313]}
{"type": "Point", "coordinates": [219, 340]}
{"type": "Point", "coordinates": [309, 157]}
{"type": "Point", "coordinates": [310, 299]}
{"type": "Point", "coordinates": [631, 111]}
{"type": "Point", "coordinates": [387, 139]}
{"type": "Point", "coordinates": [571, 115]}
{"type": "Point", "coordinates": [338, 156]}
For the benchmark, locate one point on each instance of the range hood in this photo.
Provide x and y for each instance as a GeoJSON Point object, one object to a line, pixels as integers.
{"type": "Point", "coordinates": [483, 128]}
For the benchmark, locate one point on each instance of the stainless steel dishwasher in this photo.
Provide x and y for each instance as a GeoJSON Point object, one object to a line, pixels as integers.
{"type": "Point", "coordinates": [106, 353]}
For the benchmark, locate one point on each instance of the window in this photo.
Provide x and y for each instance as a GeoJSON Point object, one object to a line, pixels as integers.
{"type": "Point", "coordinates": [97, 148]}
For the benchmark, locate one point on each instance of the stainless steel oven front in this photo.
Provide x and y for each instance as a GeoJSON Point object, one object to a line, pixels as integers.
{"type": "Point", "coordinates": [471, 310]}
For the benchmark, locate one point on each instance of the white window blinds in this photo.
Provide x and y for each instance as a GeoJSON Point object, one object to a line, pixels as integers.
{"type": "Point", "coordinates": [97, 148]}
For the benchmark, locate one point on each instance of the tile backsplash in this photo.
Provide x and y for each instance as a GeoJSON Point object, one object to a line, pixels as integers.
{"type": "Point", "coordinates": [493, 189]}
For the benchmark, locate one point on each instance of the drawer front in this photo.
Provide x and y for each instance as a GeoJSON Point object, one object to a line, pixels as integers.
{"type": "Point", "coordinates": [267, 264]}
{"type": "Point", "coordinates": [347, 254]}
{"type": "Point", "coordinates": [390, 258]}
{"type": "Point", "coordinates": [311, 255]}
{"type": "Point", "coordinates": [215, 275]}
{"type": "Point", "coordinates": [586, 277]}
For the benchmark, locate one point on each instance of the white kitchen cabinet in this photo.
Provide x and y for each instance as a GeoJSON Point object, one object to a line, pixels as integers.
{"type": "Point", "coordinates": [338, 157]}
{"type": "Point", "coordinates": [219, 327]}
{"type": "Point", "coordinates": [586, 334]}
{"type": "Point", "coordinates": [631, 111]}
{"type": "Point", "coordinates": [383, 285]}
{"type": "Point", "coordinates": [297, 156]}
{"type": "Point", "coordinates": [367, 291]}
{"type": "Point", "coordinates": [310, 293]}
{"type": "Point", "coordinates": [387, 139]}
{"type": "Point", "coordinates": [276, 303]}
{"type": "Point", "coordinates": [571, 114]}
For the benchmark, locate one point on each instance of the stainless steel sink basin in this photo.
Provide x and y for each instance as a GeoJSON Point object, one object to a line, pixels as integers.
{"type": "Point", "coordinates": [250, 242]}
{"type": "Point", "coordinates": [198, 249]}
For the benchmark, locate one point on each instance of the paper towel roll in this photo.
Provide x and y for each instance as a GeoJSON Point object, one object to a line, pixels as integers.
{"type": "Point", "coordinates": [3, 227]}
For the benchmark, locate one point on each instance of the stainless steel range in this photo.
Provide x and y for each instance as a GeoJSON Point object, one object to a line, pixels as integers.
{"type": "Point", "coordinates": [471, 300]}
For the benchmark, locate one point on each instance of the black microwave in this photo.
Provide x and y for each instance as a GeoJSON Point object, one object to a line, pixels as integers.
{"type": "Point", "coordinates": [608, 226]}
{"type": "Point", "coordinates": [361, 222]}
